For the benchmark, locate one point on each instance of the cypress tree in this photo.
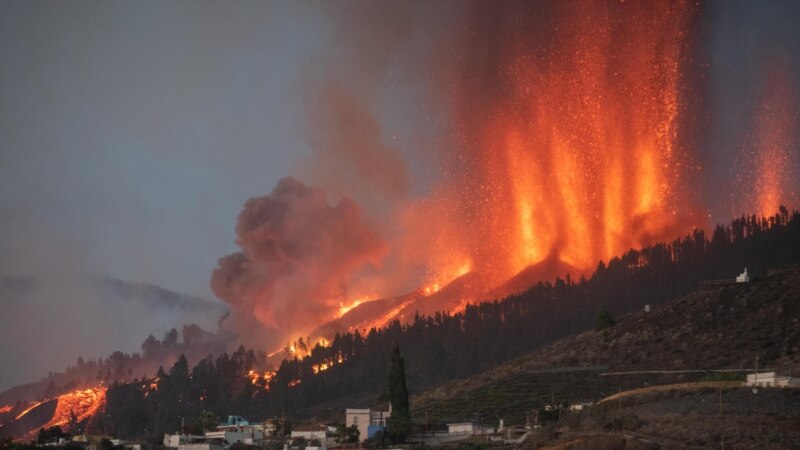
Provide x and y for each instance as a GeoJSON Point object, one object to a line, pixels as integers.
{"type": "Point", "coordinates": [399, 424]}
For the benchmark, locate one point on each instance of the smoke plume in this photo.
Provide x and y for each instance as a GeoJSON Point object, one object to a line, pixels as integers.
{"type": "Point", "coordinates": [299, 256]}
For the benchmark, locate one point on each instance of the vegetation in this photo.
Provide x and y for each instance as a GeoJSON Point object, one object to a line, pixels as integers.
{"type": "Point", "coordinates": [152, 407]}
{"type": "Point", "coordinates": [400, 421]}
{"type": "Point", "coordinates": [193, 342]}
{"type": "Point", "coordinates": [347, 435]}
{"type": "Point", "coordinates": [603, 321]}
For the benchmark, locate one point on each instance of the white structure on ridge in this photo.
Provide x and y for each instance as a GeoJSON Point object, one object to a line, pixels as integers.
{"type": "Point", "coordinates": [770, 379]}
{"type": "Point", "coordinates": [743, 277]}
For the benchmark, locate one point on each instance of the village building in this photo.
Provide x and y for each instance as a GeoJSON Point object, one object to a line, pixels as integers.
{"type": "Point", "coordinates": [469, 429]}
{"type": "Point", "coordinates": [368, 422]}
{"type": "Point", "coordinates": [323, 435]}
{"type": "Point", "coordinates": [771, 379]}
{"type": "Point", "coordinates": [236, 430]}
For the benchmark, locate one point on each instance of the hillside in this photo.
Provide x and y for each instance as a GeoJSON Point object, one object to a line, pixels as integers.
{"type": "Point", "coordinates": [712, 328]}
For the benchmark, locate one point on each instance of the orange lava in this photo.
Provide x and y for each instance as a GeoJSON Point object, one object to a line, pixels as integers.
{"type": "Point", "coordinates": [343, 309]}
{"type": "Point", "coordinates": [383, 320]}
{"type": "Point", "coordinates": [77, 406]}
{"type": "Point", "coordinates": [27, 410]}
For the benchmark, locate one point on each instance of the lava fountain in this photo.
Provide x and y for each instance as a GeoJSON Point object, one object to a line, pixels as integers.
{"type": "Point", "coordinates": [770, 154]}
{"type": "Point", "coordinates": [570, 145]}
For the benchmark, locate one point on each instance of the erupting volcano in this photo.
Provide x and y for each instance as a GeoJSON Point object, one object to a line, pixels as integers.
{"type": "Point", "coordinates": [573, 139]}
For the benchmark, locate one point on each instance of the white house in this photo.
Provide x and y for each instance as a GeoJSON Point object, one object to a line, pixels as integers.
{"type": "Point", "coordinates": [743, 277]}
{"type": "Point", "coordinates": [469, 429]}
{"type": "Point", "coordinates": [325, 435]}
{"type": "Point", "coordinates": [176, 440]}
{"type": "Point", "coordinates": [770, 379]}
{"type": "Point", "coordinates": [236, 430]}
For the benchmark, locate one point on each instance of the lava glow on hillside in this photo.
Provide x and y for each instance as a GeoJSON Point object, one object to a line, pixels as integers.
{"type": "Point", "coordinates": [77, 406]}
{"type": "Point", "coordinates": [72, 409]}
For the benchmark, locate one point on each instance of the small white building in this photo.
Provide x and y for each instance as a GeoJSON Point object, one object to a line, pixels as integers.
{"type": "Point", "coordinates": [367, 421]}
{"type": "Point", "coordinates": [228, 437]}
{"type": "Point", "coordinates": [469, 429]}
{"type": "Point", "coordinates": [200, 446]}
{"type": "Point", "coordinates": [323, 434]}
{"type": "Point", "coordinates": [577, 407]}
{"type": "Point", "coordinates": [743, 277]}
{"type": "Point", "coordinates": [176, 440]}
{"type": "Point", "coordinates": [235, 431]}
{"type": "Point", "coordinates": [770, 379]}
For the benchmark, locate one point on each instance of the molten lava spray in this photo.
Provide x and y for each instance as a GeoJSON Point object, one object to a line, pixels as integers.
{"type": "Point", "coordinates": [568, 124]}
{"type": "Point", "coordinates": [768, 151]}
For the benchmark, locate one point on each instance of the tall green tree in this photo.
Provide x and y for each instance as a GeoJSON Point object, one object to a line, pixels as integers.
{"type": "Point", "coordinates": [399, 424]}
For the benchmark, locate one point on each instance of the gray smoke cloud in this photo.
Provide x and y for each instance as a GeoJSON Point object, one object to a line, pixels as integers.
{"type": "Point", "coordinates": [299, 256]}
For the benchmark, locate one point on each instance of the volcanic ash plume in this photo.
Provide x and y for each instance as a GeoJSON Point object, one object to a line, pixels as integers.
{"type": "Point", "coordinates": [299, 255]}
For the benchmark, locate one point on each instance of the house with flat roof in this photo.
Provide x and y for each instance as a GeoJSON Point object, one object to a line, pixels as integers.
{"type": "Point", "coordinates": [368, 422]}
{"type": "Point", "coordinates": [771, 379]}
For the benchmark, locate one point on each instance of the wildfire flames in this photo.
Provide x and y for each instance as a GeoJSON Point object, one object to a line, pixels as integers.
{"type": "Point", "coordinates": [256, 377]}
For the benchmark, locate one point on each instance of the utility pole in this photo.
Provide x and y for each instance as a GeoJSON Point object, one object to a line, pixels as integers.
{"type": "Point", "coordinates": [756, 368]}
{"type": "Point", "coordinates": [755, 388]}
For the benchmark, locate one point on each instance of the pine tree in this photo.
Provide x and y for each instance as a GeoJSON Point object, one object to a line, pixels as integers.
{"type": "Point", "coordinates": [399, 424]}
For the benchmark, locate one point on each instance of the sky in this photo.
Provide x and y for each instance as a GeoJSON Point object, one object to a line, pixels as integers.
{"type": "Point", "coordinates": [132, 133]}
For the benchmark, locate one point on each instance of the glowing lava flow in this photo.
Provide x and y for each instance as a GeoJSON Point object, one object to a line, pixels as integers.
{"type": "Point", "coordinates": [27, 410]}
{"type": "Point", "coordinates": [77, 406]}
{"type": "Point", "coordinates": [343, 309]}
